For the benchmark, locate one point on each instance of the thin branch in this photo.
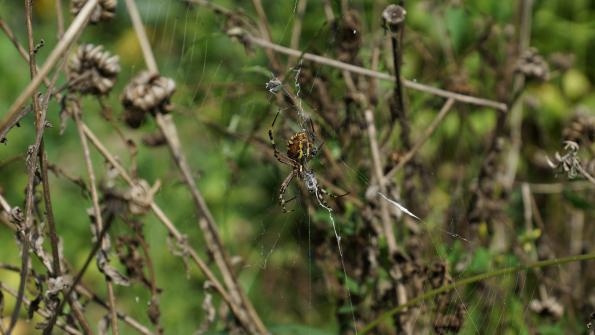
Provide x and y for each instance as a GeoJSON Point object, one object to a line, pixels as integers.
{"type": "Point", "coordinates": [429, 131]}
{"type": "Point", "coordinates": [42, 312]}
{"type": "Point", "coordinates": [265, 32]}
{"type": "Point", "coordinates": [56, 54]}
{"type": "Point", "coordinates": [375, 74]}
{"type": "Point", "coordinates": [60, 18]}
{"type": "Point", "coordinates": [78, 277]}
{"type": "Point", "coordinates": [377, 167]}
{"type": "Point", "coordinates": [297, 27]}
{"type": "Point", "coordinates": [142, 36]}
{"type": "Point", "coordinates": [97, 212]}
{"type": "Point", "coordinates": [251, 321]}
{"type": "Point", "coordinates": [31, 175]}
{"type": "Point", "coordinates": [81, 289]}
{"type": "Point", "coordinates": [159, 213]}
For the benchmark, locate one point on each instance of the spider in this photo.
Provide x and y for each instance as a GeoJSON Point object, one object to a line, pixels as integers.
{"type": "Point", "coordinates": [300, 150]}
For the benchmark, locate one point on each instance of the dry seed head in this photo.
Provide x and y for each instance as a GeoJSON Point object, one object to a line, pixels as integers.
{"type": "Point", "coordinates": [532, 65]}
{"type": "Point", "coordinates": [147, 93]}
{"type": "Point", "coordinates": [393, 16]}
{"type": "Point", "coordinates": [581, 128]}
{"type": "Point", "coordinates": [92, 70]}
{"type": "Point", "coordinates": [104, 11]}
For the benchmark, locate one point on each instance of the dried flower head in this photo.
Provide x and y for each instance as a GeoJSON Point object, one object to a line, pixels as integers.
{"type": "Point", "coordinates": [568, 162]}
{"type": "Point", "coordinates": [140, 196]}
{"type": "Point", "coordinates": [349, 37]}
{"type": "Point", "coordinates": [104, 11]}
{"type": "Point", "coordinates": [147, 93]}
{"type": "Point", "coordinates": [93, 70]}
{"type": "Point", "coordinates": [581, 128]}
{"type": "Point", "coordinates": [532, 65]}
{"type": "Point", "coordinates": [548, 306]}
{"type": "Point", "coordinates": [393, 16]}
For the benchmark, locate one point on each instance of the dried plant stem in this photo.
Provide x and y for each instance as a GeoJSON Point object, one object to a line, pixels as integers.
{"type": "Point", "coordinates": [263, 26]}
{"type": "Point", "coordinates": [32, 160]}
{"type": "Point", "coordinates": [60, 18]}
{"type": "Point", "coordinates": [42, 159]}
{"type": "Point", "coordinates": [97, 213]}
{"type": "Point", "coordinates": [208, 226]}
{"type": "Point", "coordinates": [42, 312]}
{"type": "Point", "coordinates": [245, 313]}
{"type": "Point", "coordinates": [297, 27]}
{"type": "Point", "coordinates": [142, 36]}
{"type": "Point", "coordinates": [78, 277]}
{"type": "Point", "coordinates": [159, 213]}
{"type": "Point", "coordinates": [398, 111]}
{"type": "Point", "coordinates": [473, 279]}
{"type": "Point", "coordinates": [377, 167]}
{"type": "Point", "coordinates": [81, 289]}
{"type": "Point", "coordinates": [375, 74]}
{"type": "Point", "coordinates": [428, 132]}
{"type": "Point", "coordinates": [56, 54]}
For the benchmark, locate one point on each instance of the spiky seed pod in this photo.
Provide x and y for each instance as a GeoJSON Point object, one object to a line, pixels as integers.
{"type": "Point", "coordinates": [92, 70]}
{"type": "Point", "coordinates": [393, 16]}
{"type": "Point", "coordinates": [147, 93]}
{"type": "Point", "coordinates": [104, 11]}
{"type": "Point", "coordinates": [532, 65]}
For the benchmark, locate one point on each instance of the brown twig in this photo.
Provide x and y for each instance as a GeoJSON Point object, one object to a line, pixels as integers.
{"type": "Point", "coordinates": [247, 315]}
{"type": "Point", "coordinates": [381, 180]}
{"type": "Point", "coordinates": [32, 160]}
{"type": "Point", "coordinates": [159, 213]}
{"type": "Point", "coordinates": [43, 313]}
{"type": "Point", "coordinates": [97, 212]}
{"type": "Point", "coordinates": [78, 277]}
{"type": "Point", "coordinates": [428, 132]}
{"type": "Point", "coordinates": [297, 27]}
{"type": "Point", "coordinates": [42, 159]}
{"type": "Point", "coordinates": [81, 289]}
{"type": "Point", "coordinates": [60, 18]}
{"type": "Point", "coordinates": [378, 75]}
{"type": "Point", "coordinates": [265, 32]}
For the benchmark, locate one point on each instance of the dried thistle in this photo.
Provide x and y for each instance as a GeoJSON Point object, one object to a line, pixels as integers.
{"type": "Point", "coordinates": [140, 196]}
{"type": "Point", "coordinates": [104, 11]}
{"type": "Point", "coordinates": [581, 129]}
{"type": "Point", "coordinates": [147, 93]}
{"type": "Point", "coordinates": [569, 162]}
{"type": "Point", "coordinates": [349, 38]}
{"type": "Point", "coordinates": [532, 65]}
{"type": "Point", "coordinates": [93, 70]}
{"type": "Point", "coordinates": [393, 16]}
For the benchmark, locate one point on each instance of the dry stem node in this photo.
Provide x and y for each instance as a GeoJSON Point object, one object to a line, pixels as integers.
{"type": "Point", "coordinates": [93, 70]}
{"type": "Point", "coordinates": [532, 65]}
{"type": "Point", "coordinates": [393, 16]}
{"type": "Point", "coordinates": [140, 196]}
{"type": "Point", "coordinates": [147, 93]}
{"type": "Point", "coordinates": [105, 10]}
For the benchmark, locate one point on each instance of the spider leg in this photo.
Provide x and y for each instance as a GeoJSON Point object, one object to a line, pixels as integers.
{"type": "Point", "coordinates": [283, 189]}
{"type": "Point", "coordinates": [278, 155]}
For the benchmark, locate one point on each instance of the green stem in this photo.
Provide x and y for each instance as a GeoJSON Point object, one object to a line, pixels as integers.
{"type": "Point", "coordinates": [432, 293]}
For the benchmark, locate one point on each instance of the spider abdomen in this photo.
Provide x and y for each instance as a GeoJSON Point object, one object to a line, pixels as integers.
{"type": "Point", "coordinates": [299, 147]}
